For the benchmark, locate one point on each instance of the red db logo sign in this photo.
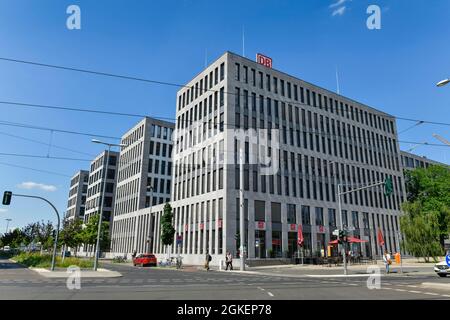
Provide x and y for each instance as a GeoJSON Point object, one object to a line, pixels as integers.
{"type": "Point", "coordinates": [265, 61]}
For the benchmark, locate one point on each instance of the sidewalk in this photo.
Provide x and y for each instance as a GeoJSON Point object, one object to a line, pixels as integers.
{"type": "Point", "coordinates": [100, 273]}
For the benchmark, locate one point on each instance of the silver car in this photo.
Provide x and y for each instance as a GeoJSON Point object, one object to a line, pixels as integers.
{"type": "Point", "coordinates": [442, 269]}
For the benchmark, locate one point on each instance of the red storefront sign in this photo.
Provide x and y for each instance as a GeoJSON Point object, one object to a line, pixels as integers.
{"type": "Point", "coordinates": [292, 227]}
{"type": "Point", "coordinates": [265, 61]}
{"type": "Point", "coordinates": [261, 225]}
{"type": "Point", "coordinates": [276, 242]}
{"type": "Point", "coordinates": [321, 228]}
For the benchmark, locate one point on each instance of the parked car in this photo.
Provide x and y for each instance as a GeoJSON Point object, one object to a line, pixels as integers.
{"type": "Point", "coordinates": [147, 259]}
{"type": "Point", "coordinates": [442, 269]}
{"type": "Point", "coordinates": [6, 248]}
{"type": "Point", "coordinates": [66, 254]}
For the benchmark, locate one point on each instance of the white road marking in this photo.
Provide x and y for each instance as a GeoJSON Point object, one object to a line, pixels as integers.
{"type": "Point", "coordinates": [414, 291]}
{"type": "Point", "coordinates": [431, 293]}
{"type": "Point", "coordinates": [270, 294]}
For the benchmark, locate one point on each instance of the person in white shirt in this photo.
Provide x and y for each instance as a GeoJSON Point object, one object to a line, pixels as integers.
{"type": "Point", "coordinates": [387, 260]}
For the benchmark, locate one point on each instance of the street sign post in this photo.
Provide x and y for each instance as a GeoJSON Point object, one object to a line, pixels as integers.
{"type": "Point", "coordinates": [447, 259]}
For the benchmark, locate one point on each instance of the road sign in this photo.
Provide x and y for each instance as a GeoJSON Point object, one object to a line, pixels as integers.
{"type": "Point", "coordinates": [447, 259]}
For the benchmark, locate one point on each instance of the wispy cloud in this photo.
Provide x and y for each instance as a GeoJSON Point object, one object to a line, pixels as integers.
{"type": "Point", "coordinates": [339, 12]}
{"type": "Point", "coordinates": [339, 7]}
{"type": "Point", "coordinates": [338, 3]}
{"type": "Point", "coordinates": [35, 185]}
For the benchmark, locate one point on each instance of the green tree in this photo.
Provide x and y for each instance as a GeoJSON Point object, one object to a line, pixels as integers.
{"type": "Point", "coordinates": [167, 229]}
{"type": "Point", "coordinates": [71, 234]}
{"type": "Point", "coordinates": [428, 194]}
{"type": "Point", "coordinates": [13, 238]}
{"type": "Point", "coordinates": [89, 233]}
{"type": "Point", "coordinates": [421, 233]}
{"type": "Point", "coordinates": [44, 234]}
{"type": "Point", "coordinates": [28, 234]}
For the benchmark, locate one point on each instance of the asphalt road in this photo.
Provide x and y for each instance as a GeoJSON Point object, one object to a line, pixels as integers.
{"type": "Point", "coordinates": [17, 282]}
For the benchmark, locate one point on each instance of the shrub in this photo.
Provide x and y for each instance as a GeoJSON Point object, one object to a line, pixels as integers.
{"type": "Point", "coordinates": [45, 260]}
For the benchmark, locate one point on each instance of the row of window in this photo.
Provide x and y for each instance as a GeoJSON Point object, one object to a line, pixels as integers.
{"type": "Point", "coordinates": [160, 149]}
{"type": "Point", "coordinates": [307, 96]}
{"type": "Point", "coordinates": [161, 132]}
{"type": "Point", "coordinates": [159, 167]}
{"type": "Point", "coordinates": [158, 185]}
{"type": "Point", "coordinates": [201, 86]}
{"type": "Point", "coordinates": [317, 187]}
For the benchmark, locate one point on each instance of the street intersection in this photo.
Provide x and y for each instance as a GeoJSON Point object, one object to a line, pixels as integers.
{"type": "Point", "coordinates": [191, 283]}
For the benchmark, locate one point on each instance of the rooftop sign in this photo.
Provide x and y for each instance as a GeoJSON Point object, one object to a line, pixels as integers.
{"type": "Point", "coordinates": [265, 61]}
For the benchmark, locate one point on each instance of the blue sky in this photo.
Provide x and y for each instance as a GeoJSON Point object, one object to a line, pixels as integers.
{"type": "Point", "coordinates": [393, 69]}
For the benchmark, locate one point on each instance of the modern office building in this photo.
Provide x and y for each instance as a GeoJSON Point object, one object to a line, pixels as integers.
{"type": "Point", "coordinates": [77, 196]}
{"type": "Point", "coordinates": [317, 140]}
{"type": "Point", "coordinates": [95, 186]}
{"type": "Point", "coordinates": [144, 176]}
{"type": "Point", "coordinates": [412, 161]}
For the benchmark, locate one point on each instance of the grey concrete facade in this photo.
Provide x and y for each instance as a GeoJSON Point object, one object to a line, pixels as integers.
{"type": "Point", "coordinates": [325, 139]}
{"type": "Point", "coordinates": [95, 186]}
{"type": "Point", "coordinates": [143, 181]}
{"type": "Point", "coordinates": [412, 161]}
{"type": "Point", "coordinates": [77, 196]}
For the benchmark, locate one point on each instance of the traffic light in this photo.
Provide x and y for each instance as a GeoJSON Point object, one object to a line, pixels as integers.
{"type": "Point", "coordinates": [7, 198]}
{"type": "Point", "coordinates": [388, 188]}
{"type": "Point", "coordinates": [342, 236]}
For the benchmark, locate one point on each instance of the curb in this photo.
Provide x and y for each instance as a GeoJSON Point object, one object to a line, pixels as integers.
{"type": "Point", "coordinates": [100, 273]}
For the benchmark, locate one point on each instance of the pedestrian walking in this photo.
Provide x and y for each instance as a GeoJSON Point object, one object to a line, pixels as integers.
{"type": "Point", "coordinates": [387, 261]}
{"type": "Point", "coordinates": [208, 259]}
{"type": "Point", "coordinates": [229, 260]}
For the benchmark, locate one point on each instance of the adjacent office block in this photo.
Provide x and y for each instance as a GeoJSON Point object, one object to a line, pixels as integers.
{"type": "Point", "coordinates": [77, 196]}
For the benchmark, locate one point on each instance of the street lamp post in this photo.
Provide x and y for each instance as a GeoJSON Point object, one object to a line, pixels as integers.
{"type": "Point", "coordinates": [150, 244]}
{"type": "Point", "coordinates": [341, 222]}
{"type": "Point", "coordinates": [7, 224]}
{"type": "Point", "coordinates": [102, 197]}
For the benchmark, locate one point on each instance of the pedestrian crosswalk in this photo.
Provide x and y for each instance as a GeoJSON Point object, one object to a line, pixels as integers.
{"type": "Point", "coordinates": [163, 281]}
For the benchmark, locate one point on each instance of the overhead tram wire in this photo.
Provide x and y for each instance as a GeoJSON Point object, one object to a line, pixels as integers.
{"type": "Point", "coordinates": [28, 126]}
{"type": "Point", "coordinates": [133, 78]}
{"type": "Point", "coordinates": [45, 143]}
{"type": "Point", "coordinates": [34, 169]}
{"type": "Point", "coordinates": [6, 123]}
{"type": "Point", "coordinates": [413, 126]}
{"type": "Point", "coordinates": [42, 156]}
{"type": "Point", "coordinates": [118, 138]}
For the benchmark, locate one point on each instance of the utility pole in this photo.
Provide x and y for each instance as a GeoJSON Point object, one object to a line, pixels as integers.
{"type": "Point", "coordinates": [241, 207]}
{"type": "Point", "coordinates": [149, 249]}
{"type": "Point", "coordinates": [341, 224]}
{"type": "Point", "coordinates": [387, 192]}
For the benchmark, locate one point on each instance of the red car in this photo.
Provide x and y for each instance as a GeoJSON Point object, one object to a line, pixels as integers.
{"type": "Point", "coordinates": [147, 259]}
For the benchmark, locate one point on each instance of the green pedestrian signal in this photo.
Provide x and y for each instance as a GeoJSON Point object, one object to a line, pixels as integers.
{"type": "Point", "coordinates": [7, 198]}
{"type": "Point", "coordinates": [388, 188]}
